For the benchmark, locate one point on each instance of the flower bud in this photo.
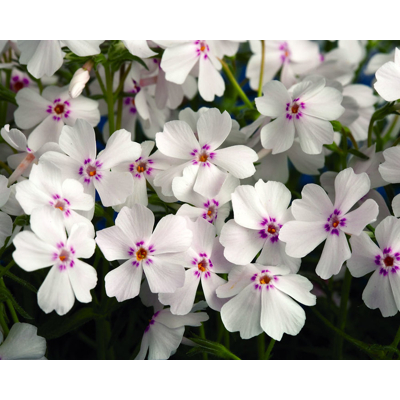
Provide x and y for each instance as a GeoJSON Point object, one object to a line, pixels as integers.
{"type": "Point", "coordinates": [78, 82]}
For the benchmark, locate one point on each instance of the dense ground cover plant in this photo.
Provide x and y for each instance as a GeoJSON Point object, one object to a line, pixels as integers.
{"type": "Point", "coordinates": [199, 199]}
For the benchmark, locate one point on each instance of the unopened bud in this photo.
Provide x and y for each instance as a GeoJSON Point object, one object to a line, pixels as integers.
{"type": "Point", "coordinates": [78, 82]}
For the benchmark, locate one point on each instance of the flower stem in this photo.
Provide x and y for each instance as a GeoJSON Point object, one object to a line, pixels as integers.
{"type": "Point", "coordinates": [394, 344]}
{"type": "Point", "coordinates": [236, 84]}
{"type": "Point", "coordinates": [338, 343]}
{"type": "Point", "coordinates": [5, 166]}
{"type": "Point", "coordinates": [261, 345]}
{"type": "Point", "coordinates": [203, 336]}
{"type": "Point", "coordinates": [269, 349]}
{"type": "Point", "coordinates": [14, 315]}
{"type": "Point", "coordinates": [3, 322]}
{"type": "Point", "coordinates": [120, 99]}
{"type": "Point", "coordinates": [7, 268]}
{"type": "Point", "coordinates": [110, 99]}
{"type": "Point", "coordinates": [260, 83]}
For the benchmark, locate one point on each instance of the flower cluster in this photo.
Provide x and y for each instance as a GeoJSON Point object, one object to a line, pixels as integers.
{"type": "Point", "coordinates": [131, 194]}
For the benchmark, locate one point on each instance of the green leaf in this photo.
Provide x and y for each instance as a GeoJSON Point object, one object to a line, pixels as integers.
{"type": "Point", "coordinates": [358, 154]}
{"type": "Point", "coordinates": [7, 95]}
{"type": "Point", "coordinates": [213, 348]}
{"type": "Point", "coordinates": [21, 281]}
{"type": "Point", "coordinates": [334, 147]}
{"type": "Point", "coordinates": [337, 126]}
{"type": "Point", "coordinates": [58, 326]}
{"type": "Point", "coordinates": [98, 210]}
{"type": "Point", "coordinates": [8, 296]}
{"type": "Point", "coordinates": [22, 220]}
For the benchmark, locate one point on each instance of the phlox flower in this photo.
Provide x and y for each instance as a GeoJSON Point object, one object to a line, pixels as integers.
{"type": "Point", "coordinates": [29, 151]}
{"type": "Point", "coordinates": [377, 60]}
{"type": "Point", "coordinates": [317, 219]}
{"type": "Point", "coordinates": [45, 57]}
{"type": "Point", "coordinates": [52, 110]}
{"type": "Point", "coordinates": [81, 163]}
{"type": "Point", "coordinates": [293, 57]}
{"type": "Point", "coordinates": [383, 288]}
{"type": "Point", "coordinates": [165, 331]}
{"type": "Point", "coordinates": [265, 301]}
{"type": "Point", "coordinates": [388, 79]}
{"type": "Point", "coordinates": [182, 57]}
{"type": "Point", "coordinates": [46, 187]}
{"type": "Point", "coordinates": [304, 111]}
{"type": "Point", "coordinates": [179, 141]}
{"type": "Point", "coordinates": [48, 245]}
{"type": "Point", "coordinates": [204, 259]}
{"type": "Point", "coordinates": [139, 48]}
{"type": "Point", "coordinates": [22, 343]}
{"type": "Point", "coordinates": [260, 212]}
{"type": "Point", "coordinates": [214, 210]}
{"type": "Point", "coordinates": [156, 253]}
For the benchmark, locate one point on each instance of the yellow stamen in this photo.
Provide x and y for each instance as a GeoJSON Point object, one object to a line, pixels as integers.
{"type": "Point", "coordinates": [62, 258]}
{"type": "Point", "coordinates": [335, 224]}
{"type": "Point", "coordinates": [141, 254]}
{"type": "Point", "coordinates": [140, 168]}
{"type": "Point", "coordinates": [265, 280]}
{"type": "Point", "coordinates": [203, 158]}
{"type": "Point", "coordinates": [92, 173]}
{"type": "Point", "coordinates": [60, 208]}
{"type": "Point", "coordinates": [295, 108]}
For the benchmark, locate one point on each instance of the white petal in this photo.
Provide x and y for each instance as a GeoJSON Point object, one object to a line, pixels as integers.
{"type": "Point", "coordinates": [23, 343]}
{"type": "Point", "coordinates": [182, 300]}
{"type": "Point", "coordinates": [388, 81]}
{"type": "Point", "coordinates": [203, 236]}
{"type": "Point", "coordinates": [350, 188]}
{"type": "Point", "coordinates": [387, 233]}
{"type": "Point", "coordinates": [114, 243]}
{"type": "Point", "coordinates": [280, 314]}
{"type": "Point", "coordinates": [358, 219]}
{"type": "Point", "coordinates": [14, 137]}
{"type": "Point", "coordinates": [274, 101]}
{"type": "Point", "coordinates": [308, 164]}
{"type": "Point", "coordinates": [396, 206]}
{"type": "Point", "coordinates": [113, 187]}
{"type": "Point", "coordinates": [239, 277]}
{"type": "Point", "coordinates": [364, 251]}
{"type": "Point", "coordinates": [163, 277]}
{"type": "Point", "coordinates": [48, 224]}
{"type": "Point", "coordinates": [302, 238]}
{"type": "Point", "coordinates": [325, 104]}
{"type": "Point", "coordinates": [336, 251]}
{"type": "Point", "coordinates": [171, 236]}
{"type": "Point", "coordinates": [32, 253]}
{"type": "Point", "coordinates": [298, 287]}
{"type": "Point", "coordinates": [243, 313]}
{"type": "Point", "coordinates": [210, 284]}
{"type": "Point", "coordinates": [213, 128]}
{"type": "Point", "coordinates": [56, 292]}
{"type": "Point", "coordinates": [31, 110]}
{"type": "Point", "coordinates": [391, 167]}
{"type": "Point", "coordinates": [241, 244]}
{"type": "Point", "coordinates": [84, 48]}
{"type": "Point", "coordinates": [378, 294]}
{"type": "Point", "coordinates": [247, 207]}
{"type": "Point", "coordinates": [123, 282]}
{"type": "Point", "coordinates": [83, 278]}
{"type": "Point", "coordinates": [177, 140]}
{"type": "Point", "coordinates": [139, 48]}
{"type": "Point", "coordinates": [209, 180]}
{"type": "Point", "coordinates": [278, 135]}
{"type": "Point", "coordinates": [163, 341]}
{"type": "Point", "coordinates": [314, 204]}
{"type": "Point", "coordinates": [394, 279]}
{"type": "Point", "coordinates": [210, 81]}
{"type": "Point", "coordinates": [237, 160]}
{"type": "Point", "coordinates": [313, 133]}
{"type": "Point", "coordinates": [81, 240]}
{"type": "Point", "coordinates": [73, 192]}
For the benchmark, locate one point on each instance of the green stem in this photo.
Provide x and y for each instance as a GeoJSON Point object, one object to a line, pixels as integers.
{"type": "Point", "coordinates": [9, 304]}
{"type": "Point", "coordinates": [203, 336]}
{"type": "Point", "coordinates": [351, 137]}
{"type": "Point", "coordinates": [120, 99]}
{"type": "Point", "coordinates": [345, 149]}
{"type": "Point", "coordinates": [338, 344]}
{"type": "Point", "coordinates": [7, 268]}
{"type": "Point", "coordinates": [369, 349]}
{"type": "Point", "coordinates": [396, 142]}
{"type": "Point", "coordinates": [390, 130]}
{"type": "Point", "coordinates": [261, 345]}
{"type": "Point", "coordinates": [236, 84]}
{"type": "Point", "coordinates": [226, 339]}
{"type": "Point", "coordinates": [3, 322]}
{"type": "Point", "coordinates": [110, 99]}
{"type": "Point", "coordinates": [122, 79]}
{"type": "Point", "coordinates": [269, 349]}
{"type": "Point", "coordinates": [102, 87]}
{"type": "Point", "coordinates": [394, 344]}
{"type": "Point", "coordinates": [260, 83]}
{"type": "Point", "coordinates": [5, 166]}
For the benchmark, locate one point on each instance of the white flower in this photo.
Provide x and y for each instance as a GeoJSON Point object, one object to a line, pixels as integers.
{"type": "Point", "coordinates": [79, 143]}
{"type": "Point", "coordinates": [204, 259]}
{"type": "Point", "coordinates": [29, 151]}
{"type": "Point", "coordinates": [264, 301]}
{"type": "Point", "coordinates": [44, 57]}
{"type": "Point", "coordinates": [139, 48]}
{"type": "Point", "coordinates": [52, 111]}
{"type": "Point", "coordinates": [388, 79]}
{"type": "Point", "coordinates": [165, 331]}
{"type": "Point", "coordinates": [22, 343]}
{"type": "Point", "coordinates": [295, 57]}
{"type": "Point", "coordinates": [260, 212]}
{"type": "Point", "coordinates": [214, 210]}
{"type": "Point", "coordinates": [158, 254]}
{"type": "Point", "coordinates": [46, 187]}
{"type": "Point", "coordinates": [78, 82]}
{"type": "Point", "coordinates": [377, 60]}
{"type": "Point", "coordinates": [318, 219]}
{"type": "Point", "coordinates": [179, 141]}
{"type": "Point", "coordinates": [383, 288]}
{"type": "Point", "coordinates": [182, 56]}
{"type": "Point", "coordinates": [48, 245]}
{"type": "Point", "coordinates": [305, 111]}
